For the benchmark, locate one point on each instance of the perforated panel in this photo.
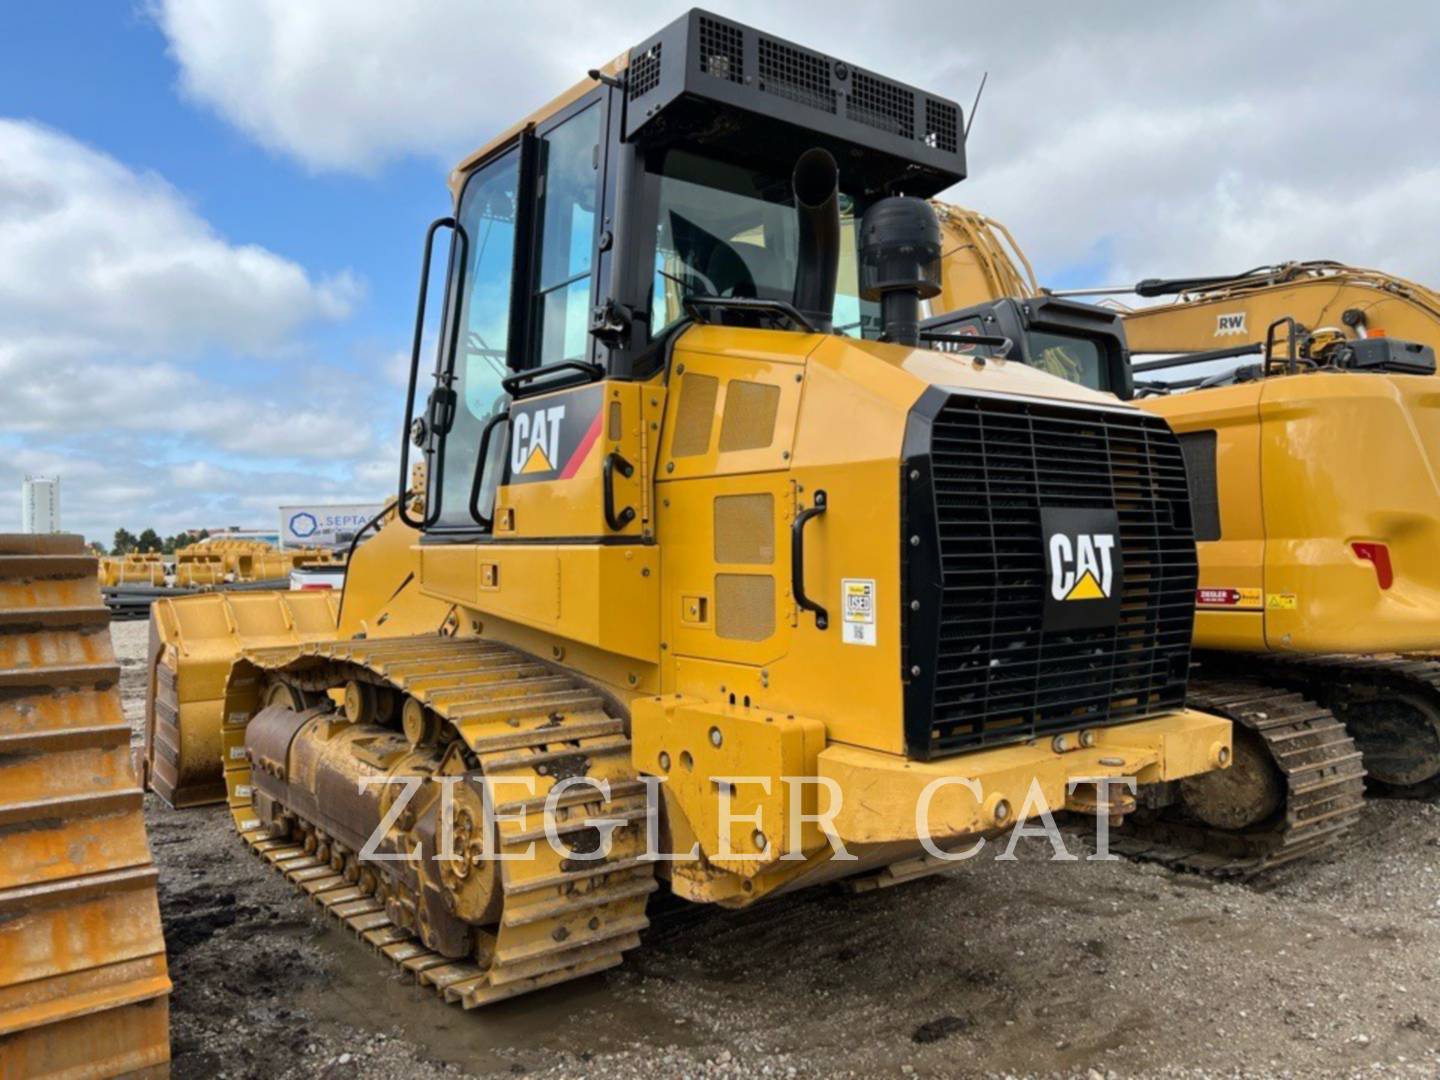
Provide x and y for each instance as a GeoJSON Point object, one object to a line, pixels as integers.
{"type": "Point", "coordinates": [722, 50]}
{"type": "Point", "coordinates": [750, 411]}
{"type": "Point", "coordinates": [796, 74]}
{"type": "Point", "coordinates": [883, 104]}
{"type": "Point", "coordinates": [744, 606]}
{"type": "Point", "coordinates": [644, 73]}
{"type": "Point", "coordinates": [942, 125]}
{"type": "Point", "coordinates": [1199, 448]}
{"type": "Point", "coordinates": [745, 528]}
{"type": "Point", "coordinates": [695, 416]}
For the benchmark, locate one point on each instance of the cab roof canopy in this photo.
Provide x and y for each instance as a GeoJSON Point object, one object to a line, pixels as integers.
{"type": "Point", "coordinates": [750, 97]}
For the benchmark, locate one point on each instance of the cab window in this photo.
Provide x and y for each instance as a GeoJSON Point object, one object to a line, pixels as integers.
{"type": "Point", "coordinates": [1075, 359]}
{"type": "Point", "coordinates": [730, 231]}
{"type": "Point", "coordinates": [568, 200]}
{"type": "Point", "coordinates": [487, 214]}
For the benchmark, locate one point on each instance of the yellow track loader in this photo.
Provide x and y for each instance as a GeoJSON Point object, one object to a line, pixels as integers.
{"type": "Point", "coordinates": [705, 581]}
{"type": "Point", "coordinates": [1312, 471]}
{"type": "Point", "coordinates": [84, 990]}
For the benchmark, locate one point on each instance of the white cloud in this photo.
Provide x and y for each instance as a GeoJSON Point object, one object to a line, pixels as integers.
{"type": "Point", "coordinates": [348, 85]}
{"type": "Point", "coordinates": [1136, 138]}
{"type": "Point", "coordinates": [122, 313]}
{"type": "Point", "coordinates": [92, 246]}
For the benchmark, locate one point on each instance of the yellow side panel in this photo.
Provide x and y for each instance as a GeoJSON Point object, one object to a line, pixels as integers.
{"type": "Point", "coordinates": [626, 422]}
{"type": "Point", "coordinates": [382, 589]}
{"type": "Point", "coordinates": [605, 595]}
{"type": "Point", "coordinates": [1231, 631]}
{"type": "Point", "coordinates": [1351, 458]}
{"type": "Point", "coordinates": [694, 443]}
{"type": "Point", "coordinates": [845, 439]}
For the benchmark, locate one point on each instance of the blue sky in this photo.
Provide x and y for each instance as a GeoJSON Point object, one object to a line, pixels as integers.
{"type": "Point", "coordinates": [211, 211]}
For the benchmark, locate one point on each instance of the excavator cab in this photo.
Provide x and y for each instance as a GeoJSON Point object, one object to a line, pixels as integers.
{"type": "Point", "coordinates": [1082, 343]}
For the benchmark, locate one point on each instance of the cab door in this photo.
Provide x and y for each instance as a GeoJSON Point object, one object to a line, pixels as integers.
{"type": "Point", "coordinates": [555, 534]}
{"type": "Point", "coordinates": [573, 465]}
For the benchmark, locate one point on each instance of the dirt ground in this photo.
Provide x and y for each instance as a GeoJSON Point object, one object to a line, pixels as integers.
{"type": "Point", "coordinates": [1027, 968]}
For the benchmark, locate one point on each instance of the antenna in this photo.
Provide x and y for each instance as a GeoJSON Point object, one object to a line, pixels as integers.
{"type": "Point", "coordinates": [971, 123]}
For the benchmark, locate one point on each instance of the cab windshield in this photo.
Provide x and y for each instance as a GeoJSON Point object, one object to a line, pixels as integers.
{"type": "Point", "coordinates": [729, 231]}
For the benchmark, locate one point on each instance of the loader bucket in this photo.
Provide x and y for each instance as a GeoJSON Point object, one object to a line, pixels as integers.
{"type": "Point", "coordinates": [84, 989]}
{"type": "Point", "coordinates": [191, 747]}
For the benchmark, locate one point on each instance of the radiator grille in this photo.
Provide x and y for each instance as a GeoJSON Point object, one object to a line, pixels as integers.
{"type": "Point", "coordinates": [990, 672]}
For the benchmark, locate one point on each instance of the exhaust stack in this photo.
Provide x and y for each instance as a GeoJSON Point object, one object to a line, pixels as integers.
{"type": "Point", "coordinates": [816, 181]}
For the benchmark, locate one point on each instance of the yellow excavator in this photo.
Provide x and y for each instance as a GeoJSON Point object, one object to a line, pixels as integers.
{"type": "Point", "coordinates": [702, 580]}
{"type": "Point", "coordinates": [1315, 451]}
{"type": "Point", "coordinates": [1304, 397]}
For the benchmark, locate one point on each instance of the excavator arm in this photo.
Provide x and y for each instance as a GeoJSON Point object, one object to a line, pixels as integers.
{"type": "Point", "coordinates": [1216, 313]}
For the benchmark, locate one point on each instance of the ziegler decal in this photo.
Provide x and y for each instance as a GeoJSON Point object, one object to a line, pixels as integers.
{"type": "Point", "coordinates": [551, 437]}
{"type": "Point", "coordinates": [1229, 324]}
{"type": "Point", "coordinates": [1211, 597]}
{"type": "Point", "coordinates": [1082, 557]}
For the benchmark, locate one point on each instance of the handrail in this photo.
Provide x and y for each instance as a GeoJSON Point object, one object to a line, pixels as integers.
{"type": "Point", "coordinates": [443, 378]}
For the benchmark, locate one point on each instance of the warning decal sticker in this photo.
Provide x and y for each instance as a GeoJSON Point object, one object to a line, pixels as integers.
{"type": "Point", "coordinates": [858, 595]}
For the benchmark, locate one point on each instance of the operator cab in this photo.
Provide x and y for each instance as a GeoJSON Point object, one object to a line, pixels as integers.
{"type": "Point", "coordinates": [698, 182]}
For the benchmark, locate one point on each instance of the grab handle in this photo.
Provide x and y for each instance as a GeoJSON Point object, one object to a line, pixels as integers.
{"type": "Point", "coordinates": [443, 378]}
{"type": "Point", "coordinates": [614, 462]}
{"type": "Point", "coordinates": [797, 561]}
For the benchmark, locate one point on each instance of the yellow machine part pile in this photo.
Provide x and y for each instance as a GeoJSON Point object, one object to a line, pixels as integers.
{"type": "Point", "coordinates": [84, 989]}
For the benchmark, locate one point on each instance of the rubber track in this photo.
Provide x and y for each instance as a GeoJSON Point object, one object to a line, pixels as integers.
{"type": "Point", "coordinates": [1325, 788]}
{"type": "Point", "coordinates": [561, 919]}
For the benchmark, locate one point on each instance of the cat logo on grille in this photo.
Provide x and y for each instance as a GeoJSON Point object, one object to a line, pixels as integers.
{"type": "Point", "coordinates": [1080, 566]}
{"type": "Point", "coordinates": [1084, 575]}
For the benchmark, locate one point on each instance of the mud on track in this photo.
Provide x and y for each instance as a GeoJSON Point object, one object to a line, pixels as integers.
{"type": "Point", "coordinates": [1030, 967]}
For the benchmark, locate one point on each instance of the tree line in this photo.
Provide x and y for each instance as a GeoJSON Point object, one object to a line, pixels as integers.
{"type": "Point", "coordinates": [149, 541]}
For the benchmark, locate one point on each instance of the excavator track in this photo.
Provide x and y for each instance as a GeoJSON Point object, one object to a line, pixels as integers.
{"type": "Point", "coordinates": [84, 989]}
{"type": "Point", "coordinates": [528, 726]}
{"type": "Point", "coordinates": [1391, 706]}
{"type": "Point", "coordinates": [1323, 788]}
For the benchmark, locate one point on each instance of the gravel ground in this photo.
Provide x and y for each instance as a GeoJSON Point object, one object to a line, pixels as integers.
{"type": "Point", "coordinates": [1034, 967]}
